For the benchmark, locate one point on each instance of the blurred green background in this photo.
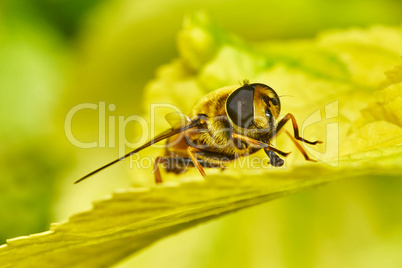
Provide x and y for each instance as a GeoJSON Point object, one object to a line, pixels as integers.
{"type": "Point", "coordinates": [57, 54]}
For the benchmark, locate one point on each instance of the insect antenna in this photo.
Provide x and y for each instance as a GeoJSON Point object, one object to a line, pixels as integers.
{"type": "Point", "coordinates": [286, 96]}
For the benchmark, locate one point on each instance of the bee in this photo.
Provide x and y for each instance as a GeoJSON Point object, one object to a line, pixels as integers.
{"type": "Point", "coordinates": [226, 124]}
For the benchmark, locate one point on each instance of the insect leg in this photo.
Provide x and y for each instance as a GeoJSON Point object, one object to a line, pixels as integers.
{"type": "Point", "coordinates": [178, 164]}
{"type": "Point", "coordinates": [259, 143]}
{"type": "Point", "coordinates": [283, 121]}
{"type": "Point", "coordinates": [191, 152]}
{"type": "Point", "coordinates": [171, 164]}
{"type": "Point", "coordinates": [300, 147]}
{"type": "Point", "coordinates": [157, 172]}
{"type": "Point", "coordinates": [274, 160]}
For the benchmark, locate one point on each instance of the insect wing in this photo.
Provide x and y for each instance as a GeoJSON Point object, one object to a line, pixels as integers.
{"type": "Point", "coordinates": [162, 136]}
{"type": "Point", "coordinates": [176, 120]}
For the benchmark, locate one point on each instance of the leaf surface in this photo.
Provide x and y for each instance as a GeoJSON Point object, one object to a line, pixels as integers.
{"type": "Point", "coordinates": [336, 68]}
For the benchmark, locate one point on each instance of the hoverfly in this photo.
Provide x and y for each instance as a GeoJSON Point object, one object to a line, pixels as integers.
{"type": "Point", "coordinates": [226, 124]}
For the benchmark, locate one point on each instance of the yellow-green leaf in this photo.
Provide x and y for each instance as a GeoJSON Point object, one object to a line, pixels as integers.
{"type": "Point", "coordinates": [333, 81]}
{"type": "Point", "coordinates": [133, 219]}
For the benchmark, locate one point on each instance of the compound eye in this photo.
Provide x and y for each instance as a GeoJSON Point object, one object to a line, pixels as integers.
{"type": "Point", "coordinates": [270, 119]}
{"type": "Point", "coordinates": [240, 106]}
{"type": "Point", "coordinates": [268, 114]}
{"type": "Point", "coordinates": [274, 101]}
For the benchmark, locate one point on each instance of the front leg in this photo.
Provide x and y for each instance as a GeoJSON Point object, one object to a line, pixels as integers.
{"type": "Point", "coordinates": [281, 124]}
{"type": "Point", "coordinates": [258, 143]}
{"type": "Point", "coordinates": [192, 153]}
{"type": "Point", "coordinates": [274, 159]}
